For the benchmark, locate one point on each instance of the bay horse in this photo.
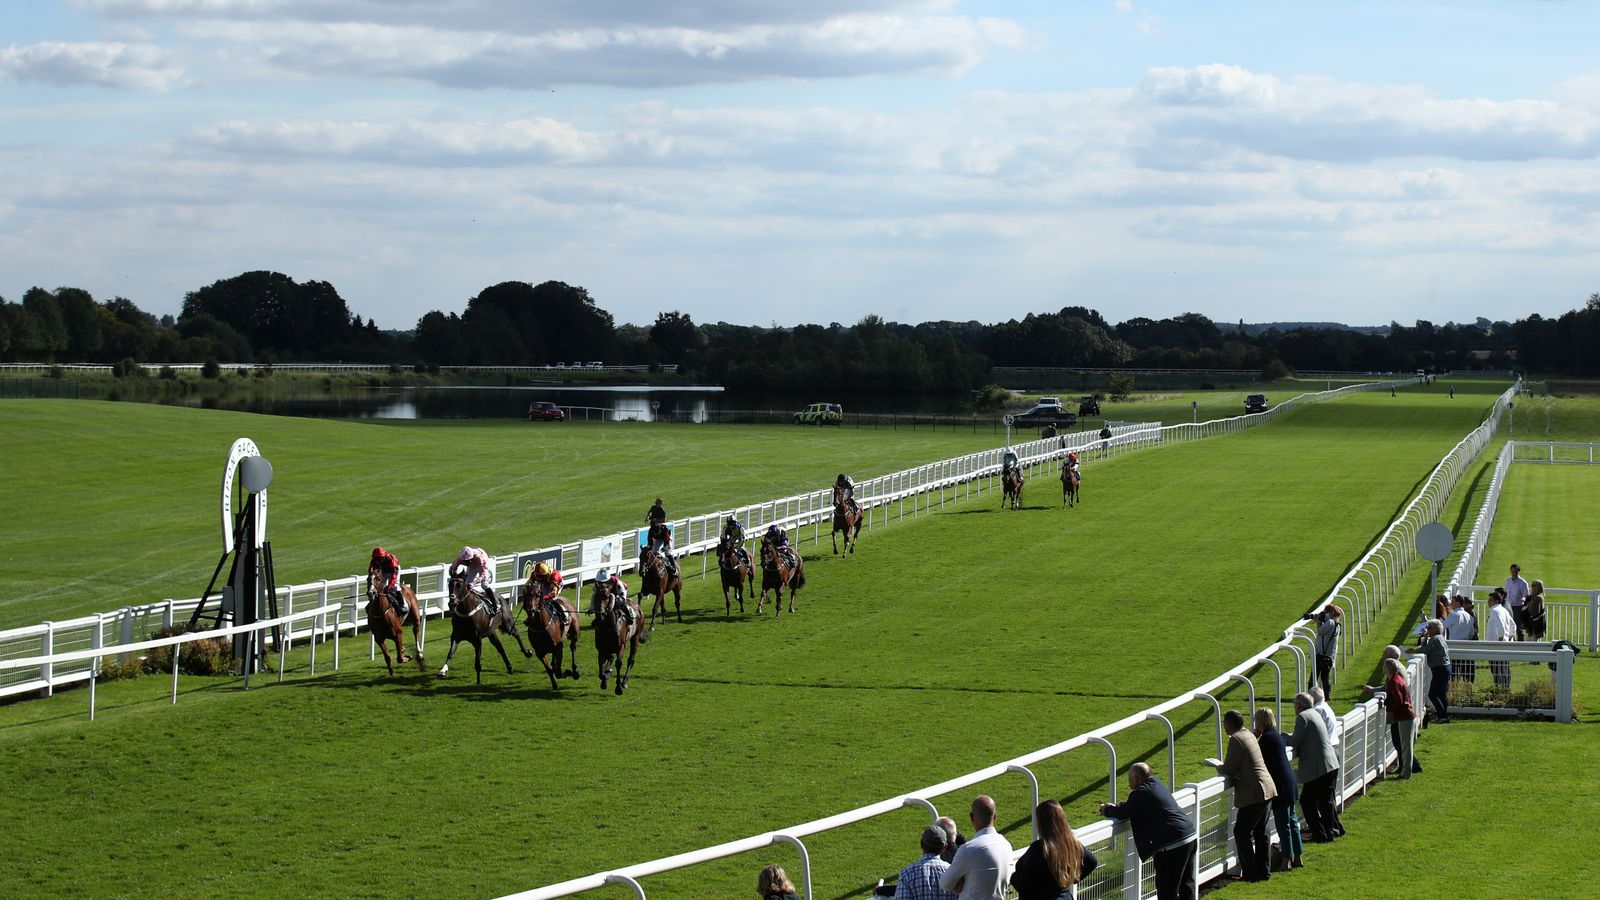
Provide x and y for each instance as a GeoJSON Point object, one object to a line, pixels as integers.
{"type": "Point", "coordinates": [656, 581]}
{"type": "Point", "coordinates": [545, 631]}
{"type": "Point", "coordinates": [618, 623]}
{"type": "Point", "coordinates": [1069, 485]}
{"type": "Point", "coordinates": [847, 518]}
{"type": "Point", "coordinates": [778, 572]}
{"type": "Point", "coordinates": [388, 624]}
{"type": "Point", "coordinates": [734, 564]}
{"type": "Point", "coordinates": [469, 621]}
{"type": "Point", "coordinates": [1011, 488]}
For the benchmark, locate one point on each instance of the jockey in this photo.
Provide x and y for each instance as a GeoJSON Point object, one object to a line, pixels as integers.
{"type": "Point", "coordinates": [733, 533]}
{"type": "Point", "coordinates": [658, 516]}
{"type": "Point", "coordinates": [778, 539]}
{"type": "Point", "coordinates": [546, 579]}
{"type": "Point", "coordinates": [474, 563]}
{"type": "Point", "coordinates": [387, 568]}
{"type": "Point", "coordinates": [1009, 461]}
{"type": "Point", "coordinates": [610, 586]}
{"type": "Point", "coordinates": [1072, 463]}
{"type": "Point", "coordinates": [776, 536]}
{"type": "Point", "coordinates": [847, 485]}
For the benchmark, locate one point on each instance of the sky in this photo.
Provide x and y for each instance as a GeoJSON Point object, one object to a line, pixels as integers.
{"type": "Point", "coordinates": [785, 161]}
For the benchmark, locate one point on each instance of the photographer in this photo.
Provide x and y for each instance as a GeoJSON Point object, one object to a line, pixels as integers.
{"type": "Point", "coordinates": [1327, 645]}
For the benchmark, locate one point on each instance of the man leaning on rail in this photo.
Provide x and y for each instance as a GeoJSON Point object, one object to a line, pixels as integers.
{"type": "Point", "coordinates": [1160, 829]}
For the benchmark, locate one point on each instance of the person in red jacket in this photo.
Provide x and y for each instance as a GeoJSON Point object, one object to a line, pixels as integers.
{"type": "Point", "coordinates": [386, 568]}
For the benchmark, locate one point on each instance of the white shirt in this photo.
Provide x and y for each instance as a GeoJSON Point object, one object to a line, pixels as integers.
{"type": "Point", "coordinates": [1458, 625]}
{"type": "Point", "coordinates": [1331, 723]}
{"type": "Point", "coordinates": [985, 862]}
{"type": "Point", "coordinates": [1501, 627]}
{"type": "Point", "coordinates": [1516, 590]}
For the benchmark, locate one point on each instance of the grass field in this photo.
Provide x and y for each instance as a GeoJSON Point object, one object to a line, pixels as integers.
{"type": "Point", "coordinates": [121, 499]}
{"type": "Point", "coordinates": [1512, 800]}
{"type": "Point", "coordinates": [964, 637]}
{"type": "Point", "coordinates": [1172, 407]}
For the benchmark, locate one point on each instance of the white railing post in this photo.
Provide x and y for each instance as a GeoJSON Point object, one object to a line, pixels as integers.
{"type": "Point", "coordinates": [1594, 622]}
{"type": "Point", "coordinates": [47, 646]}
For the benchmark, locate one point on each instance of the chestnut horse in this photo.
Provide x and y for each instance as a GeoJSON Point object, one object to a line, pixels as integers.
{"type": "Point", "coordinates": [847, 518]}
{"type": "Point", "coordinates": [1069, 485]}
{"type": "Point", "coordinates": [656, 581]}
{"type": "Point", "coordinates": [545, 630]}
{"type": "Point", "coordinates": [734, 563]}
{"type": "Point", "coordinates": [780, 570]}
{"type": "Point", "coordinates": [388, 624]}
{"type": "Point", "coordinates": [618, 623]}
{"type": "Point", "coordinates": [1011, 488]}
{"type": "Point", "coordinates": [469, 621]}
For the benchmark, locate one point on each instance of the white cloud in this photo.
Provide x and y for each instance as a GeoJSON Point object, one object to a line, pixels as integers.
{"type": "Point", "coordinates": [1233, 108]}
{"type": "Point", "coordinates": [636, 57]}
{"type": "Point", "coordinates": [116, 65]}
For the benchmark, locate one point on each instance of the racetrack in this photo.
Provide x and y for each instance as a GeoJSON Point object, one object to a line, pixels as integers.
{"type": "Point", "coordinates": [948, 642]}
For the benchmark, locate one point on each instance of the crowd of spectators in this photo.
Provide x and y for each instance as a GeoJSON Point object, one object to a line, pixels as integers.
{"type": "Point", "coordinates": [1257, 766]}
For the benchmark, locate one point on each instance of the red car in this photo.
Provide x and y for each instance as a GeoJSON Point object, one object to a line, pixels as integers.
{"type": "Point", "coordinates": [545, 411]}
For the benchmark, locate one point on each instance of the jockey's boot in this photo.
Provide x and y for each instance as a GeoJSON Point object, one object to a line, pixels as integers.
{"type": "Point", "coordinates": [491, 602]}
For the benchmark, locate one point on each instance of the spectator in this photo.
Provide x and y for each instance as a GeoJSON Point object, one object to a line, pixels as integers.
{"type": "Point", "coordinates": [1500, 627]}
{"type": "Point", "coordinates": [920, 880]}
{"type": "Point", "coordinates": [1533, 610]}
{"type": "Point", "coordinates": [1252, 790]}
{"type": "Point", "coordinates": [1437, 651]}
{"type": "Point", "coordinates": [1402, 715]}
{"type": "Point", "coordinates": [1160, 829]}
{"type": "Point", "coordinates": [1327, 646]}
{"type": "Point", "coordinates": [1052, 866]}
{"type": "Point", "coordinates": [1276, 756]}
{"type": "Point", "coordinates": [1441, 607]}
{"type": "Point", "coordinates": [1461, 625]}
{"type": "Point", "coordinates": [1335, 727]}
{"type": "Point", "coordinates": [1394, 652]}
{"type": "Point", "coordinates": [980, 868]}
{"type": "Point", "coordinates": [1516, 596]}
{"type": "Point", "coordinates": [953, 838]}
{"type": "Point", "coordinates": [1319, 768]}
{"type": "Point", "coordinates": [773, 884]}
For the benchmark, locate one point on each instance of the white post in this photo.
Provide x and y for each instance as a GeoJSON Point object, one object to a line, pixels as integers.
{"type": "Point", "coordinates": [1594, 622]}
{"type": "Point", "coordinates": [47, 645]}
{"type": "Point", "coordinates": [1564, 685]}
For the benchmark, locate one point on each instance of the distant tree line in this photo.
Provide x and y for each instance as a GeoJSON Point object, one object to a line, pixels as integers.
{"type": "Point", "coordinates": [269, 317]}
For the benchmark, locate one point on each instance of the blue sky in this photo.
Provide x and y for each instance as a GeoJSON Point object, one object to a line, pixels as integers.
{"type": "Point", "coordinates": [779, 161]}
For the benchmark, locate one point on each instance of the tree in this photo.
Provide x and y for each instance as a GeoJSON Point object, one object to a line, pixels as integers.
{"type": "Point", "coordinates": [531, 325]}
{"type": "Point", "coordinates": [1121, 385]}
{"type": "Point", "coordinates": [675, 336]}
{"type": "Point", "coordinates": [275, 314]}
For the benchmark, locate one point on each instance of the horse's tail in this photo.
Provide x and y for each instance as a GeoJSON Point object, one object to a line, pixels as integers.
{"type": "Point", "coordinates": [799, 577]}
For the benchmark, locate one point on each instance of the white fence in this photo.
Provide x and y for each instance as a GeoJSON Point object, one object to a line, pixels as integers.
{"type": "Point", "coordinates": [327, 367]}
{"type": "Point", "coordinates": [1578, 622]}
{"type": "Point", "coordinates": [880, 497]}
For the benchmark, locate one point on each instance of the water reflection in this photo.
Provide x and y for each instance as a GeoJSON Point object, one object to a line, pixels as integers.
{"type": "Point", "coordinates": [633, 403]}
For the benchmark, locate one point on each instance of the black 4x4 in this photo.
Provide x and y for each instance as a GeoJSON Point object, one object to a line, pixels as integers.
{"type": "Point", "coordinates": [1089, 406]}
{"type": "Point", "coordinates": [1255, 403]}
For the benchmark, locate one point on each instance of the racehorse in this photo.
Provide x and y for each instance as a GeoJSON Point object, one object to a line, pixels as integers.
{"type": "Point", "coordinates": [846, 518]}
{"type": "Point", "coordinates": [734, 563]}
{"type": "Point", "coordinates": [618, 623]}
{"type": "Point", "coordinates": [388, 624]}
{"type": "Point", "coordinates": [545, 630]}
{"type": "Point", "coordinates": [780, 570]}
{"type": "Point", "coordinates": [469, 621]}
{"type": "Point", "coordinates": [656, 580]}
{"type": "Point", "coordinates": [1011, 488]}
{"type": "Point", "coordinates": [1069, 485]}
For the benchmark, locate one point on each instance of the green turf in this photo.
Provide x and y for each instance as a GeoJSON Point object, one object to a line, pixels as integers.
{"type": "Point", "coordinates": [966, 636]}
{"type": "Point", "coordinates": [1547, 523]}
{"type": "Point", "coordinates": [121, 499]}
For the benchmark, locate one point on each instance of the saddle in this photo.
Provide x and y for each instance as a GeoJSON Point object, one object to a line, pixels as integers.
{"type": "Point", "coordinates": [791, 558]}
{"type": "Point", "coordinates": [557, 611]}
{"type": "Point", "coordinates": [491, 601]}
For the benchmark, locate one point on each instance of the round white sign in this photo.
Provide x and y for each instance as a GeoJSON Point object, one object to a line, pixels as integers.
{"type": "Point", "coordinates": [1434, 542]}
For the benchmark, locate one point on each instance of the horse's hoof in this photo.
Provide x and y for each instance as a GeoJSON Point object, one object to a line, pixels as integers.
{"type": "Point", "coordinates": [444, 671]}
